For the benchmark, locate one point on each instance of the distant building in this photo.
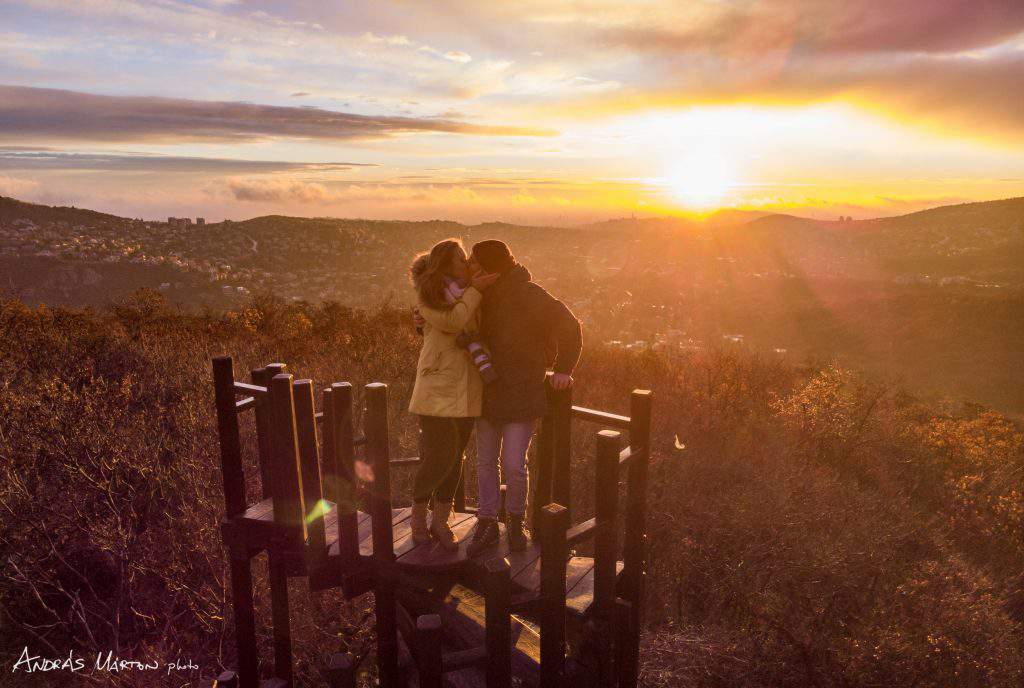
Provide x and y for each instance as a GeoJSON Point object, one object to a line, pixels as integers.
{"type": "Point", "coordinates": [200, 220]}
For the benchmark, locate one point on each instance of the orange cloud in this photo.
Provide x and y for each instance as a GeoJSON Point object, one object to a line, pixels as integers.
{"type": "Point", "coordinates": [812, 26]}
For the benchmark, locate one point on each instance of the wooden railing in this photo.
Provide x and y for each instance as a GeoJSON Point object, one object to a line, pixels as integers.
{"type": "Point", "coordinates": [307, 471]}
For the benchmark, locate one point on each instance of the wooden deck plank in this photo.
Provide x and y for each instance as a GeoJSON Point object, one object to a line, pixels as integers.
{"type": "Point", "coordinates": [366, 529]}
{"type": "Point", "coordinates": [518, 561]}
{"type": "Point", "coordinates": [575, 569]}
{"type": "Point", "coordinates": [363, 519]}
{"type": "Point", "coordinates": [432, 556]}
{"type": "Point", "coordinates": [262, 510]}
{"type": "Point", "coordinates": [403, 534]}
{"type": "Point", "coordinates": [579, 586]}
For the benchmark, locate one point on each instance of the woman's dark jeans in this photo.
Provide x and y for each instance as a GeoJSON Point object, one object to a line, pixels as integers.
{"type": "Point", "coordinates": [442, 445]}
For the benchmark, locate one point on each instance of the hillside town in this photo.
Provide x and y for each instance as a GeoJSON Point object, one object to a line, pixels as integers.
{"type": "Point", "coordinates": [654, 287]}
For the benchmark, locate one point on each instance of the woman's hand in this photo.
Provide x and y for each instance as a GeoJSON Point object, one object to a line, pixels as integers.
{"type": "Point", "coordinates": [481, 280]}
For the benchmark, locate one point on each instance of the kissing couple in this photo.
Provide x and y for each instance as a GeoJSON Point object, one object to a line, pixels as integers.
{"type": "Point", "coordinates": [488, 332]}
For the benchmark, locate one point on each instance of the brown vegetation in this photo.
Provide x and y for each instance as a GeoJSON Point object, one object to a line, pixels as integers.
{"type": "Point", "coordinates": [815, 528]}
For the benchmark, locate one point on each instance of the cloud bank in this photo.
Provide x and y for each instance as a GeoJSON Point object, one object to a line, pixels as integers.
{"type": "Point", "coordinates": [26, 158]}
{"type": "Point", "coordinates": [60, 115]}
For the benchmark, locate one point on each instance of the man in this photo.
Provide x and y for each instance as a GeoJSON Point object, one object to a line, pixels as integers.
{"type": "Point", "coordinates": [519, 321]}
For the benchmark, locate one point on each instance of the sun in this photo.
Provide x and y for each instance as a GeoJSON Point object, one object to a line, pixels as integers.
{"type": "Point", "coordinates": [700, 179]}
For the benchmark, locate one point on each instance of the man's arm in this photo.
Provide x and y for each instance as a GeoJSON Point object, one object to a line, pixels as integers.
{"type": "Point", "coordinates": [566, 330]}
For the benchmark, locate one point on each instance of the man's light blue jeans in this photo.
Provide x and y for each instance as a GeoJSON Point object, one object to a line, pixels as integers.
{"type": "Point", "coordinates": [510, 442]}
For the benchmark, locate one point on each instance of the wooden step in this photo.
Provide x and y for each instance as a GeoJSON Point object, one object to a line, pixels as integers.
{"type": "Point", "coordinates": [462, 614]}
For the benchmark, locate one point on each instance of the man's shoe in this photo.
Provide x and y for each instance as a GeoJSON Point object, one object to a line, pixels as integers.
{"type": "Point", "coordinates": [420, 531]}
{"type": "Point", "coordinates": [439, 526]}
{"type": "Point", "coordinates": [518, 537]}
{"type": "Point", "coordinates": [486, 534]}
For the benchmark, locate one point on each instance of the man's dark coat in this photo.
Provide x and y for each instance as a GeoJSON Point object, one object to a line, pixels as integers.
{"type": "Point", "coordinates": [520, 321]}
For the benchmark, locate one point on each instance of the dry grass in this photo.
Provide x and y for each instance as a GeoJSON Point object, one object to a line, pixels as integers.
{"type": "Point", "coordinates": [818, 528]}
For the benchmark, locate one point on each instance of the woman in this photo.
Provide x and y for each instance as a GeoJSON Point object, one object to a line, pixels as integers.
{"type": "Point", "coordinates": [448, 392]}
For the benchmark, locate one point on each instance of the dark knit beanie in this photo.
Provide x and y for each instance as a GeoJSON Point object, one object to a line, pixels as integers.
{"type": "Point", "coordinates": [493, 255]}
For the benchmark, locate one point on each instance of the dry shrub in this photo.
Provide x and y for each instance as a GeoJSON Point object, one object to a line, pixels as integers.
{"type": "Point", "coordinates": [815, 528]}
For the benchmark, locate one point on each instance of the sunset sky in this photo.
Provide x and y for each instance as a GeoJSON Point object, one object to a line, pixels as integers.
{"type": "Point", "coordinates": [527, 111]}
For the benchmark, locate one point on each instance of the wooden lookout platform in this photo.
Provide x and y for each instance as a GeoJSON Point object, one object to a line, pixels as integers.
{"type": "Point", "coordinates": [540, 617]}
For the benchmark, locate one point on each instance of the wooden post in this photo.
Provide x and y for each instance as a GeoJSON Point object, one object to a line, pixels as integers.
{"type": "Point", "coordinates": [261, 416]}
{"type": "Point", "coordinates": [279, 614]}
{"type": "Point", "coordinates": [560, 482]}
{"type": "Point", "coordinates": [276, 369]}
{"type": "Point", "coordinates": [264, 415]}
{"type": "Point", "coordinates": [227, 431]}
{"type": "Point", "coordinates": [606, 535]}
{"type": "Point", "coordinates": [288, 513]}
{"type": "Point", "coordinates": [553, 556]}
{"type": "Point", "coordinates": [428, 633]}
{"type": "Point", "coordinates": [378, 453]}
{"type": "Point", "coordinates": [498, 622]}
{"type": "Point", "coordinates": [242, 605]}
{"type": "Point", "coordinates": [309, 454]}
{"type": "Point", "coordinates": [626, 670]}
{"type": "Point", "coordinates": [288, 502]}
{"type": "Point", "coordinates": [635, 542]}
{"type": "Point", "coordinates": [348, 525]}
{"type": "Point", "coordinates": [605, 552]}
{"type": "Point", "coordinates": [540, 476]}
{"type": "Point", "coordinates": [329, 460]}
{"type": "Point", "coordinates": [341, 671]}
{"type": "Point", "coordinates": [227, 679]}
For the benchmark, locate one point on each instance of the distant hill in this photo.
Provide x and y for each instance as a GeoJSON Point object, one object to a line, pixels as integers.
{"type": "Point", "coordinates": [12, 209]}
{"type": "Point", "coordinates": [979, 242]}
{"type": "Point", "coordinates": [935, 296]}
{"type": "Point", "coordinates": [649, 224]}
{"type": "Point", "coordinates": [730, 216]}
{"type": "Point", "coordinates": [972, 238]}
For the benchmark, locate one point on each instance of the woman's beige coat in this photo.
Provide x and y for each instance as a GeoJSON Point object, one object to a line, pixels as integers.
{"type": "Point", "coordinates": [448, 383]}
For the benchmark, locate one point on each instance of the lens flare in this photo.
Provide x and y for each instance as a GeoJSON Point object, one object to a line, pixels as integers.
{"type": "Point", "coordinates": [700, 180]}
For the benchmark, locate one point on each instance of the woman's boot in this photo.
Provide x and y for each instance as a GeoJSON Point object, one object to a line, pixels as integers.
{"type": "Point", "coordinates": [420, 531]}
{"type": "Point", "coordinates": [439, 526]}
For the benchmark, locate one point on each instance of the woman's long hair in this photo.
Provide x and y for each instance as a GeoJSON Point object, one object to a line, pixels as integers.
{"type": "Point", "coordinates": [428, 271]}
